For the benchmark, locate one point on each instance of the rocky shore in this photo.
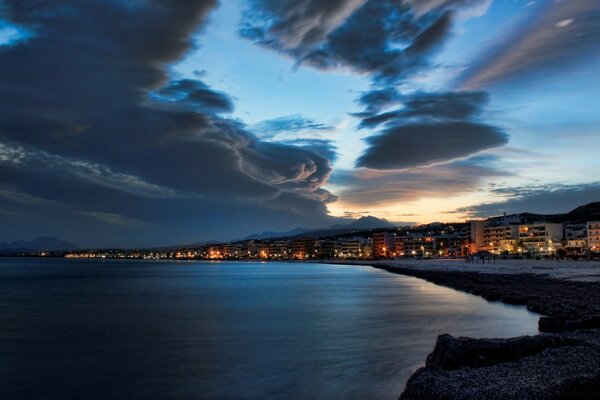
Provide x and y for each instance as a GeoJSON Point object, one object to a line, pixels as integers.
{"type": "Point", "coordinates": [563, 362]}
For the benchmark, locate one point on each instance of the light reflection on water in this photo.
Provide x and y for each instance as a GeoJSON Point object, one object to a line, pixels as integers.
{"type": "Point", "coordinates": [130, 330]}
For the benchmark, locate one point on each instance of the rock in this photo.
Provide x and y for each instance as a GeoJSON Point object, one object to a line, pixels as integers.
{"type": "Point", "coordinates": [563, 363]}
{"type": "Point", "coordinates": [534, 367]}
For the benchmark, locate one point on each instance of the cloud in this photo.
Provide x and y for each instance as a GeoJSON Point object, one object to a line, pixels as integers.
{"type": "Point", "coordinates": [303, 23]}
{"type": "Point", "coordinates": [454, 106]}
{"type": "Point", "coordinates": [474, 7]}
{"type": "Point", "coordinates": [299, 131]}
{"type": "Point", "coordinates": [382, 38]}
{"type": "Point", "coordinates": [378, 99]}
{"type": "Point", "coordinates": [560, 35]}
{"type": "Point", "coordinates": [413, 145]}
{"type": "Point", "coordinates": [372, 187]}
{"type": "Point", "coordinates": [290, 127]}
{"type": "Point", "coordinates": [430, 128]}
{"type": "Point", "coordinates": [101, 128]}
{"type": "Point", "coordinates": [546, 199]}
{"type": "Point", "coordinates": [195, 95]}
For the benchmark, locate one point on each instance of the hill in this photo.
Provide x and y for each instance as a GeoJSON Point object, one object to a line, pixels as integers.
{"type": "Point", "coordinates": [361, 224]}
{"type": "Point", "coordinates": [38, 244]}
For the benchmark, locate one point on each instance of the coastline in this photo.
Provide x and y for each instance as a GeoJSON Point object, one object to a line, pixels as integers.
{"type": "Point", "coordinates": [563, 361]}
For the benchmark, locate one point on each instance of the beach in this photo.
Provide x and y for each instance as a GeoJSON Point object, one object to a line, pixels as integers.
{"type": "Point", "coordinates": [561, 362]}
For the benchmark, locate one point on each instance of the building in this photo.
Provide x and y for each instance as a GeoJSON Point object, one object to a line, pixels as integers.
{"type": "Point", "coordinates": [575, 246]}
{"type": "Point", "coordinates": [399, 245]}
{"type": "Point", "coordinates": [303, 248]}
{"type": "Point", "coordinates": [352, 247]}
{"type": "Point", "coordinates": [232, 250]}
{"type": "Point", "coordinates": [251, 249]}
{"type": "Point", "coordinates": [324, 248]}
{"type": "Point", "coordinates": [453, 244]}
{"type": "Point", "coordinates": [279, 249]}
{"type": "Point", "coordinates": [476, 239]}
{"type": "Point", "coordinates": [593, 236]}
{"type": "Point", "coordinates": [500, 238]}
{"type": "Point", "coordinates": [215, 251]}
{"type": "Point", "coordinates": [419, 246]}
{"type": "Point", "coordinates": [383, 244]}
{"type": "Point", "coordinates": [541, 237]}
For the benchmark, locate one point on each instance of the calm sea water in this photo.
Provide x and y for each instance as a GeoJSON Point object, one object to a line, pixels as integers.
{"type": "Point", "coordinates": [191, 330]}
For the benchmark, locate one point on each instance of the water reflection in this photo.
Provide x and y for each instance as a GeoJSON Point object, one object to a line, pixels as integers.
{"type": "Point", "coordinates": [230, 330]}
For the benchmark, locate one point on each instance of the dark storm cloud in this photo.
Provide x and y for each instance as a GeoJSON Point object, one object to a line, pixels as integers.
{"type": "Point", "coordinates": [561, 34]}
{"type": "Point", "coordinates": [196, 95]}
{"type": "Point", "coordinates": [324, 147]}
{"type": "Point", "coordinates": [454, 106]}
{"type": "Point", "coordinates": [380, 37]}
{"type": "Point", "coordinates": [430, 128]}
{"type": "Point", "coordinates": [369, 187]}
{"type": "Point", "coordinates": [91, 120]}
{"type": "Point", "coordinates": [547, 199]}
{"type": "Point", "coordinates": [390, 40]}
{"type": "Point", "coordinates": [302, 23]}
{"type": "Point", "coordinates": [411, 145]}
{"type": "Point", "coordinates": [377, 99]}
{"type": "Point", "coordinates": [298, 131]}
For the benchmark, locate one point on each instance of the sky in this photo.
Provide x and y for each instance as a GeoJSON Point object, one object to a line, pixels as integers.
{"type": "Point", "coordinates": [160, 122]}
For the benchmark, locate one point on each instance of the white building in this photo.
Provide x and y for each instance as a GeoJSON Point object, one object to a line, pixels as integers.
{"type": "Point", "coordinates": [541, 237]}
{"type": "Point", "coordinates": [593, 235]}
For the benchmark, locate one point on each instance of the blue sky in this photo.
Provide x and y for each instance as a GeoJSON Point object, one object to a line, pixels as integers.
{"type": "Point", "coordinates": [147, 123]}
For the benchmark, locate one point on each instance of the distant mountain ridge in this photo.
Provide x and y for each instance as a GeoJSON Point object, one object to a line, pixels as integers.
{"type": "Point", "coordinates": [580, 215]}
{"type": "Point", "coordinates": [362, 224]}
{"type": "Point", "coordinates": [368, 222]}
{"type": "Point", "coordinates": [39, 243]}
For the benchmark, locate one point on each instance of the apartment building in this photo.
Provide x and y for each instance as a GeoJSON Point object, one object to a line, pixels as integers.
{"type": "Point", "coordinates": [540, 237]}
{"type": "Point", "coordinates": [593, 236]}
{"type": "Point", "coordinates": [383, 244]}
{"type": "Point", "coordinates": [500, 238]}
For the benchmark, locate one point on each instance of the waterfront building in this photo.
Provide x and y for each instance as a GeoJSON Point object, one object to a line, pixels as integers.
{"type": "Point", "coordinates": [500, 238]}
{"type": "Point", "coordinates": [593, 236]}
{"type": "Point", "coordinates": [352, 247]}
{"type": "Point", "coordinates": [232, 250]}
{"type": "Point", "coordinates": [324, 248]}
{"type": "Point", "coordinates": [383, 244]}
{"type": "Point", "coordinates": [279, 249]}
{"type": "Point", "coordinates": [419, 246]}
{"type": "Point", "coordinates": [303, 248]}
{"type": "Point", "coordinates": [215, 251]}
{"type": "Point", "coordinates": [541, 238]}
{"type": "Point", "coordinates": [477, 228]}
{"type": "Point", "coordinates": [251, 249]}
{"type": "Point", "coordinates": [576, 246]}
{"type": "Point", "coordinates": [399, 245]}
{"type": "Point", "coordinates": [451, 244]}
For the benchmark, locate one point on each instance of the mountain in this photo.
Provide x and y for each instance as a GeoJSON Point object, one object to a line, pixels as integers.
{"type": "Point", "coordinates": [368, 222]}
{"type": "Point", "coordinates": [40, 243]}
{"type": "Point", "coordinates": [583, 214]}
{"type": "Point", "coordinates": [273, 234]}
{"type": "Point", "coordinates": [361, 224]}
{"type": "Point", "coordinates": [580, 215]}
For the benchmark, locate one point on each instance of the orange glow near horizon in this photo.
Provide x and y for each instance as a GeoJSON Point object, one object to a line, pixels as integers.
{"type": "Point", "coordinates": [420, 211]}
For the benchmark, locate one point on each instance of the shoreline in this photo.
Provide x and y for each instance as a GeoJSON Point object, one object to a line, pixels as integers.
{"type": "Point", "coordinates": [563, 361]}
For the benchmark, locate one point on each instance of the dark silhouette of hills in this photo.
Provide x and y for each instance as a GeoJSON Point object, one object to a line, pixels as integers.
{"type": "Point", "coordinates": [38, 244]}
{"type": "Point", "coordinates": [361, 224]}
{"type": "Point", "coordinates": [580, 215]}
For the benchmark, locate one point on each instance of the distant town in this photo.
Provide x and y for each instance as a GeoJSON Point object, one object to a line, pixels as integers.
{"type": "Point", "coordinates": [518, 235]}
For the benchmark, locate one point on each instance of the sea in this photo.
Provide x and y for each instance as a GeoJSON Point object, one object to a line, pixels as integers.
{"type": "Point", "coordinates": [131, 329]}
